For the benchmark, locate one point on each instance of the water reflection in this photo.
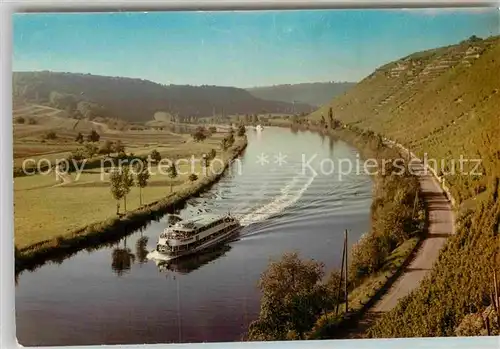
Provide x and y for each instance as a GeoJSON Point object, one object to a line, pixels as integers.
{"type": "Point", "coordinates": [188, 264]}
{"type": "Point", "coordinates": [331, 142]}
{"type": "Point", "coordinates": [122, 259]}
{"type": "Point", "coordinates": [141, 250]}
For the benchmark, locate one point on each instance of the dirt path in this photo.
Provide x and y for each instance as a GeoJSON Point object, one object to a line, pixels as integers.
{"type": "Point", "coordinates": [441, 226]}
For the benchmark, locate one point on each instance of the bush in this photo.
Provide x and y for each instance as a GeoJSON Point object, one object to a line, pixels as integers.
{"type": "Point", "coordinates": [241, 130]}
{"type": "Point", "coordinates": [293, 296]}
{"type": "Point", "coordinates": [155, 155]}
{"type": "Point", "coordinates": [200, 134]}
{"type": "Point", "coordinates": [93, 137]}
{"type": "Point", "coordinates": [193, 177]}
{"type": "Point", "coordinates": [325, 326]}
{"type": "Point", "coordinates": [79, 138]}
{"type": "Point", "coordinates": [78, 155]}
{"type": "Point", "coordinates": [367, 256]}
{"type": "Point", "coordinates": [474, 324]}
{"type": "Point", "coordinates": [51, 135]}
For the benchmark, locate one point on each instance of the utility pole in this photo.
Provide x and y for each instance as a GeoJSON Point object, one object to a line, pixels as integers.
{"type": "Point", "coordinates": [414, 205]}
{"type": "Point", "coordinates": [496, 302]}
{"type": "Point", "coordinates": [345, 284]}
{"type": "Point", "coordinates": [340, 280]}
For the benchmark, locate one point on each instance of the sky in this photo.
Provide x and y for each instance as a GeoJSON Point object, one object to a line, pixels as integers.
{"type": "Point", "coordinates": [242, 49]}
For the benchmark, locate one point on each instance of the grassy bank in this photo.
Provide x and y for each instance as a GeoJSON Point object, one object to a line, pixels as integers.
{"type": "Point", "coordinates": [45, 207]}
{"type": "Point", "coordinates": [397, 226]}
{"type": "Point", "coordinates": [115, 227]}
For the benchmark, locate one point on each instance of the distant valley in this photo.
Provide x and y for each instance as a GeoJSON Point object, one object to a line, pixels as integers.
{"type": "Point", "coordinates": [316, 93]}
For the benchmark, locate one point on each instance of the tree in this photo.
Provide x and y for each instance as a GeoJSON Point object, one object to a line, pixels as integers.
{"type": "Point", "coordinates": [212, 129]}
{"type": "Point", "coordinates": [474, 38]}
{"type": "Point", "coordinates": [255, 119]}
{"type": "Point", "coordinates": [199, 134]}
{"type": "Point", "coordinates": [230, 139]}
{"type": "Point", "coordinates": [115, 180]}
{"type": "Point", "coordinates": [79, 138]}
{"type": "Point", "coordinates": [193, 177]}
{"type": "Point", "coordinates": [141, 179]}
{"type": "Point", "coordinates": [241, 131]}
{"type": "Point", "coordinates": [127, 183]}
{"type": "Point", "coordinates": [206, 160]}
{"type": "Point", "coordinates": [93, 137]}
{"type": "Point", "coordinates": [107, 148]}
{"type": "Point", "coordinates": [51, 135]}
{"type": "Point", "coordinates": [172, 173]}
{"type": "Point", "coordinates": [121, 180]}
{"type": "Point", "coordinates": [155, 156]}
{"type": "Point", "coordinates": [212, 154]}
{"type": "Point", "coordinates": [335, 288]}
{"type": "Point", "coordinates": [20, 120]}
{"type": "Point", "coordinates": [91, 150]}
{"type": "Point", "coordinates": [293, 297]}
{"type": "Point", "coordinates": [78, 155]}
{"type": "Point", "coordinates": [119, 147]}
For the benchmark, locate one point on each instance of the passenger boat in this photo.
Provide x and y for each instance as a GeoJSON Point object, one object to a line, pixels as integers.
{"type": "Point", "coordinates": [194, 235]}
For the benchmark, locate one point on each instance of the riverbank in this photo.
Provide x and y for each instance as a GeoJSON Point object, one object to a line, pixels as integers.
{"type": "Point", "coordinates": [398, 226]}
{"type": "Point", "coordinates": [381, 291]}
{"type": "Point", "coordinates": [114, 228]}
{"type": "Point", "coordinates": [382, 272]}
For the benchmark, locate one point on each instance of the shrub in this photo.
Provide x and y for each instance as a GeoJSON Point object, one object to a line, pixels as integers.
{"type": "Point", "coordinates": [155, 155]}
{"type": "Point", "coordinates": [325, 326]}
{"type": "Point", "coordinates": [474, 324]}
{"type": "Point", "coordinates": [293, 296]}
{"type": "Point", "coordinates": [79, 138]}
{"type": "Point", "coordinates": [241, 130]}
{"type": "Point", "coordinates": [51, 135]}
{"type": "Point", "coordinates": [93, 137]}
{"type": "Point", "coordinates": [200, 134]}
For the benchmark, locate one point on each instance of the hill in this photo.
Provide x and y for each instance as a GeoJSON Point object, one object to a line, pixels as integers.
{"type": "Point", "coordinates": [138, 100]}
{"type": "Point", "coordinates": [443, 103]}
{"type": "Point", "coordinates": [317, 93]}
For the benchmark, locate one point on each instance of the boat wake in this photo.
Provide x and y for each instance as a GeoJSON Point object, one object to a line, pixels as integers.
{"type": "Point", "coordinates": [290, 194]}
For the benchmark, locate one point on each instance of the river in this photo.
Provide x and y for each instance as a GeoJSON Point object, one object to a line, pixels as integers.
{"type": "Point", "coordinates": [112, 295]}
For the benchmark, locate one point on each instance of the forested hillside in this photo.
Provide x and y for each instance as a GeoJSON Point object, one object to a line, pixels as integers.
{"type": "Point", "coordinates": [444, 103]}
{"type": "Point", "coordinates": [137, 99]}
{"type": "Point", "coordinates": [316, 93]}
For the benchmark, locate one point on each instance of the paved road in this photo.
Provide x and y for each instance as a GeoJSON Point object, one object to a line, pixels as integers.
{"type": "Point", "coordinates": [441, 226]}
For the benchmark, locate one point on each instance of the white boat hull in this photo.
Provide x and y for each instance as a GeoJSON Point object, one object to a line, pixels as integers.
{"type": "Point", "coordinates": [163, 257]}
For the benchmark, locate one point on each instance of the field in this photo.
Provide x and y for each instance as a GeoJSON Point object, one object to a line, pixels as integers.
{"type": "Point", "coordinates": [45, 207]}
